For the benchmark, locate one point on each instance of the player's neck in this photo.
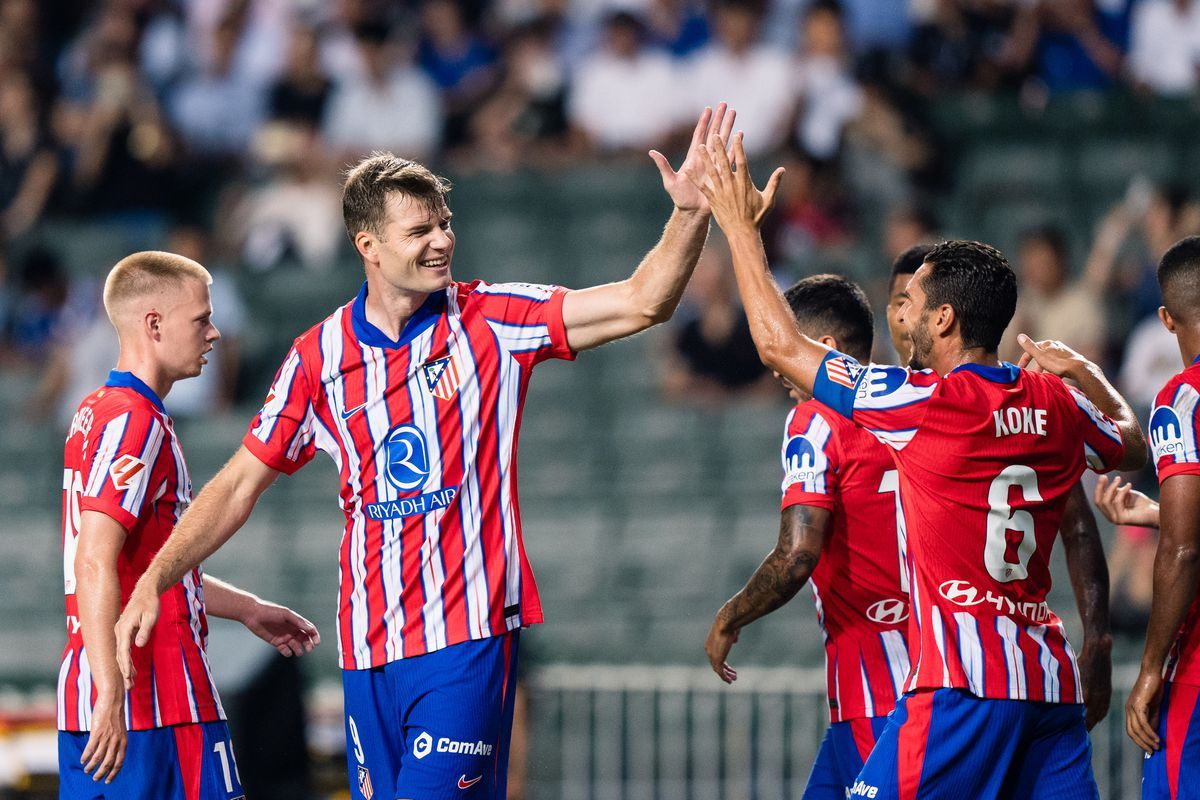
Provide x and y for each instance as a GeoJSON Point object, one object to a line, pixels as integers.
{"type": "Point", "coordinates": [953, 358]}
{"type": "Point", "coordinates": [1189, 344]}
{"type": "Point", "coordinates": [148, 373]}
{"type": "Point", "coordinates": [389, 309]}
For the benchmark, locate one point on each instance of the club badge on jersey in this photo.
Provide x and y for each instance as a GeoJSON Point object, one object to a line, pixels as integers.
{"type": "Point", "coordinates": [442, 377]}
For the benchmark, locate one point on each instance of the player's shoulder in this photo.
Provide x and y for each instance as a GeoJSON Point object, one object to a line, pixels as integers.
{"type": "Point", "coordinates": [482, 290]}
{"type": "Point", "coordinates": [1185, 384]}
{"type": "Point", "coordinates": [804, 414]}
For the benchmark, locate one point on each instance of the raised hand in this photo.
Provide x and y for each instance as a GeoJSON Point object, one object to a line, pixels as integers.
{"type": "Point", "coordinates": [1050, 356]}
{"type": "Point", "coordinates": [681, 185]}
{"type": "Point", "coordinates": [731, 194]}
{"type": "Point", "coordinates": [282, 628]}
{"type": "Point", "coordinates": [1123, 505]}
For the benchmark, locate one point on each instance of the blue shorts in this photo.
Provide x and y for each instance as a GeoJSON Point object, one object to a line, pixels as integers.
{"type": "Point", "coordinates": [1173, 772]}
{"type": "Point", "coordinates": [843, 751]}
{"type": "Point", "coordinates": [433, 726]}
{"type": "Point", "coordinates": [180, 762]}
{"type": "Point", "coordinates": [951, 744]}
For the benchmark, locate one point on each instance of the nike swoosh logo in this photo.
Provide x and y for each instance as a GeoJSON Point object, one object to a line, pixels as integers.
{"type": "Point", "coordinates": [350, 412]}
{"type": "Point", "coordinates": [463, 783]}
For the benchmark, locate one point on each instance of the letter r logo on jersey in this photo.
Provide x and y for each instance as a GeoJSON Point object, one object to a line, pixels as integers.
{"type": "Point", "coordinates": [407, 458]}
{"type": "Point", "coordinates": [126, 471]}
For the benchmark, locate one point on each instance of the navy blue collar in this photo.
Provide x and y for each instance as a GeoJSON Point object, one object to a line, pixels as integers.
{"type": "Point", "coordinates": [1005, 373]}
{"type": "Point", "coordinates": [424, 318]}
{"type": "Point", "coordinates": [130, 381]}
{"type": "Point", "coordinates": [1196, 361]}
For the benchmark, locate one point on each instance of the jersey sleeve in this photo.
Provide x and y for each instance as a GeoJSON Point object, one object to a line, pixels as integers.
{"type": "Point", "coordinates": [527, 319]}
{"type": "Point", "coordinates": [282, 434]}
{"type": "Point", "coordinates": [1173, 432]}
{"type": "Point", "coordinates": [1103, 447]}
{"type": "Point", "coordinates": [810, 460]}
{"type": "Point", "coordinates": [889, 402]}
{"type": "Point", "coordinates": [118, 467]}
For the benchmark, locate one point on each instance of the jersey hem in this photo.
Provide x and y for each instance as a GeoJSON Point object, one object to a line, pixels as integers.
{"type": "Point", "coordinates": [264, 454]}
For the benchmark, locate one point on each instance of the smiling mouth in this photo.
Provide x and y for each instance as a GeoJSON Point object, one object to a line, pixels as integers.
{"type": "Point", "coordinates": [436, 263]}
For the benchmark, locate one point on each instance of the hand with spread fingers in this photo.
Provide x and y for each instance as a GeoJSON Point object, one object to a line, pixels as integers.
{"type": "Point", "coordinates": [1124, 505]}
{"type": "Point", "coordinates": [731, 194]}
{"type": "Point", "coordinates": [681, 185]}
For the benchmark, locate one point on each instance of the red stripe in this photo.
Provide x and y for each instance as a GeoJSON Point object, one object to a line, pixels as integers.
{"type": "Point", "coordinates": [864, 736]}
{"type": "Point", "coordinates": [1181, 706]}
{"type": "Point", "coordinates": [189, 745]}
{"type": "Point", "coordinates": [912, 739]}
{"type": "Point", "coordinates": [1035, 676]}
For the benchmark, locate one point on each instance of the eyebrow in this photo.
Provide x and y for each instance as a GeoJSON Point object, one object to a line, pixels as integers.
{"type": "Point", "coordinates": [424, 226]}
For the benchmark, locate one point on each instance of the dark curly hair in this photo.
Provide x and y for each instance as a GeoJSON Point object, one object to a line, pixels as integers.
{"type": "Point", "coordinates": [975, 280]}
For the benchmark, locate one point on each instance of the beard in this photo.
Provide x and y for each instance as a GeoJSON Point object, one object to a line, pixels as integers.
{"type": "Point", "coordinates": [922, 345]}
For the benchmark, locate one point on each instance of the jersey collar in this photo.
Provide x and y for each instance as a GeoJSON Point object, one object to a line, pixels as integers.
{"type": "Point", "coordinates": [128, 380]}
{"type": "Point", "coordinates": [1196, 361]}
{"type": "Point", "coordinates": [1005, 373]}
{"type": "Point", "coordinates": [418, 323]}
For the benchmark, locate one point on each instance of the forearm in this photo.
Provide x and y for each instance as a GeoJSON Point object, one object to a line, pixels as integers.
{"type": "Point", "coordinates": [1175, 574]}
{"type": "Point", "coordinates": [1093, 383]}
{"type": "Point", "coordinates": [658, 283]}
{"type": "Point", "coordinates": [780, 344]}
{"type": "Point", "coordinates": [98, 594]}
{"type": "Point", "coordinates": [776, 581]}
{"type": "Point", "coordinates": [226, 601]}
{"type": "Point", "coordinates": [1087, 568]}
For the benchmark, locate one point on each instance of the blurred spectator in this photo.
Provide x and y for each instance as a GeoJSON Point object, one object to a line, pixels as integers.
{"type": "Point", "coordinates": [302, 91]}
{"type": "Point", "coordinates": [524, 121]}
{"type": "Point", "coordinates": [296, 213]}
{"type": "Point", "coordinates": [755, 79]}
{"type": "Point", "coordinates": [678, 25]}
{"type": "Point", "coordinates": [1071, 44]}
{"type": "Point", "coordinates": [810, 213]}
{"type": "Point", "coordinates": [829, 95]}
{"type": "Point", "coordinates": [1131, 565]}
{"type": "Point", "coordinates": [458, 61]}
{"type": "Point", "coordinates": [906, 227]}
{"type": "Point", "coordinates": [40, 305]}
{"type": "Point", "coordinates": [1164, 52]}
{"type": "Point", "coordinates": [1050, 305]}
{"type": "Point", "coordinates": [712, 355]}
{"type": "Point", "coordinates": [28, 158]}
{"type": "Point", "coordinates": [218, 108]}
{"type": "Point", "coordinates": [622, 96]}
{"type": "Point", "coordinates": [956, 44]}
{"type": "Point", "coordinates": [394, 106]}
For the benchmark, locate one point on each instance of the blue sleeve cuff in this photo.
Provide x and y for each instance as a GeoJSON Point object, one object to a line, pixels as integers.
{"type": "Point", "coordinates": [836, 382]}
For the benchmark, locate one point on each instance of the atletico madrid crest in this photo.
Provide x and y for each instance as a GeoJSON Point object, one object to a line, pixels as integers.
{"type": "Point", "coordinates": [441, 376]}
{"type": "Point", "coordinates": [364, 783]}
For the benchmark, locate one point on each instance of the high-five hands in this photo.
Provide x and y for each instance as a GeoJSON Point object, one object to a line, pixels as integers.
{"type": "Point", "coordinates": [681, 185]}
{"type": "Point", "coordinates": [728, 188]}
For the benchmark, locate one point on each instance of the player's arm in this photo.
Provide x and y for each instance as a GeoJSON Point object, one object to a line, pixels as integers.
{"type": "Point", "coordinates": [98, 593]}
{"type": "Point", "coordinates": [217, 513]}
{"type": "Point", "coordinates": [802, 532]}
{"type": "Point", "coordinates": [1089, 579]}
{"type": "Point", "coordinates": [1176, 570]}
{"type": "Point", "coordinates": [599, 315]}
{"type": "Point", "coordinates": [1055, 357]}
{"type": "Point", "coordinates": [278, 626]}
{"type": "Point", "coordinates": [739, 208]}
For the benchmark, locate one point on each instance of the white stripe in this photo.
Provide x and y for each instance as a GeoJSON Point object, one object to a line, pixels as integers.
{"type": "Point", "coordinates": [897, 440]}
{"type": "Point", "coordinates": [939, 637]}
{"type": "Point", "coordinates": [157, 703]}
{"type": "Point", "coordinates": [471, 512]}
{"type": "Point", "coordinates": [508, 404]}
{"type": "Point", "coordinates": [970, 651]}
{"type": "Point", "coordinates": [530, 291]}
{"type": "Point", "coordinates": [83, 683]}
{"type": "Point", "coordinates": [106, 451]}
{"type": "Point", "coordinates": [191, 694]}
{"type": "Point", "coordinates": [269, 414]}
{"type": "Point", "coordinates": [1185, 408]}
{"type": "Point", "coordinates": [915, 607]}
{"type": "Point", "coordinates": [1014, 659]}
{"type": "Point", "coordinates": [304, 435]}
{"type": "Point", "coordinates": [868, 700]}
{"type": "Point", "coordinates": [897, 658]}
{"type": "Point", "coordinates": [148, 456]}
{"type": "Point", "coordinates": [521, 338]}
{"type": "Point", "coordinates": [1051, 685]}
{"type": "Point", "coordinates": [63, 670]}
{"type": "Point", "coordinates": [433, 572]}
{"type": "Point", "coordinates": [379, 423]}
{"type": "Point", "coordinates": [1102, 423]}
{"type": "Point", "coordinates": [334, 382]}
{"type": "Point", "coordinates": [1072, 661]}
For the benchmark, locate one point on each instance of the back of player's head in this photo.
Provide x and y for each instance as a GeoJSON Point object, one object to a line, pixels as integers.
{"type": "Point", "coordinates": [975, 280]}
{"type": "Point", "coordinates": [831, 305]}
{"type": "Point", "coordinates": [1179, 279]}
{"type": "Point", "coordinates": [145, 276]}
{"type": "Point", "coordinates": [908, 262]}
{"type": "Point", "coordinates": [370, 181]}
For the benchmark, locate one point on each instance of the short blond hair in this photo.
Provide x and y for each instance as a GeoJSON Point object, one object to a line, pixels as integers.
{"type": "Point", "coordinates": [144, 274]}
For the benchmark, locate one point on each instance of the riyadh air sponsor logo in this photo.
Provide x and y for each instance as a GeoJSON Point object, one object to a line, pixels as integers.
{"type": "Point", "coordinates": [407, 457]}
{"type": "Point", "coordinates": [888, 612]}
{"type": "Point", "coordinates": [1166, 433]}
{"type": "Point", "coordinates": [423, 745]}
{"type": "Point", "coordinates": [125, 471]}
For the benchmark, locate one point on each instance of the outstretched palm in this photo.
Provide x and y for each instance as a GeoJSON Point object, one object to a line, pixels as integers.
{"type": "Point", "coordinates": [682, 185]}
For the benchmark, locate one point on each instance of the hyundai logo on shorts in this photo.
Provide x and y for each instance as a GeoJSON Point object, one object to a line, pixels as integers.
{"type": "Point", "coordinates": [407, 458]}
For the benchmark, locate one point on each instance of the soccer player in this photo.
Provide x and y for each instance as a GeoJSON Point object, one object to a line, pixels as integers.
{"type": "Point", "coordinates": [124, 486]}
{"type": "Point", "coordinates": [414, 388]}
{"type": "Point", "coordinates": [1165, 720]}
{"type": "Point", "coordinates": [987, 454]}
{"type": "Point", "coordinates": [840, 524]}
{"type": "Point", "coordinates": [903, 268]}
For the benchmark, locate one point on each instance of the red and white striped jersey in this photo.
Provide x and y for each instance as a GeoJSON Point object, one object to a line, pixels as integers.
{"type": "Point", "coordinates": [987, 457]}
{"type": "Point", "coordinates": [122, 459]}
{"type": "Point", "coordinates": [1174, 426]}
{"type": "Point", "coordinates": [423, 431]}
{"type": "Point", "coordinates": [860, 584]}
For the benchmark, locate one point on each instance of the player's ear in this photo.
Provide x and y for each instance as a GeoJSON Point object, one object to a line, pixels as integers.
{"type": "Point", "coordinates": [1167, 320]}
{"type": "Point", "coordinates": [152, 323]}
{"type": "Point", "coordinates": [829, 341]}
{"type": "Point", "coordinates": [945, 319]}
{"type": "Point", "coordinates": [366, 245]}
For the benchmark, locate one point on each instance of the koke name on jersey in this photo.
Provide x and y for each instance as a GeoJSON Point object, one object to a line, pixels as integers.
{"type": "Point", "coordinates": [1013, 420]}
